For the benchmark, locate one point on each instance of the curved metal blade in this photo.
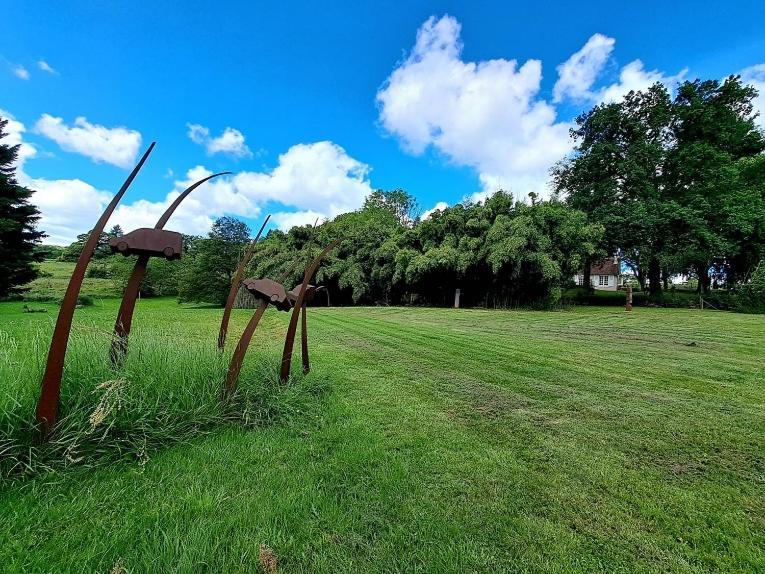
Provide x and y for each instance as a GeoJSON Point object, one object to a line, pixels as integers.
{"type": "Point", "coordinates": [246, 258]}
{"type": "Point", "coordinates": [130, 296]}
{"type": "Point", "coordinates": [241, 350]}
{"type": "Point", "coordinates": [50, 391]}
{"type": "Point", "coordinates": [289, 340]}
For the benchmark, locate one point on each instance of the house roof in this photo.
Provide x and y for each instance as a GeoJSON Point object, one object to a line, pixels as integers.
{"type": "Point", "coordinates": [606, 267]}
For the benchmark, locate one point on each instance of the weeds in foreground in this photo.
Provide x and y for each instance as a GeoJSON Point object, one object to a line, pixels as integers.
{"type": "Point", "coordinates": [166, 393]}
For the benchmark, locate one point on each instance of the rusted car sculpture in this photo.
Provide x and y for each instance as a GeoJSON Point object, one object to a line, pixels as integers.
{"type": "Point", "coordinates": [145, 243]}
{"type": "Point", "coordinates": [272, 293]}
{"type": "Point", "coordinates": [235, 282]}
{"type": "Point", "coordinates": [269, 292]}
{"type": "Point", "coordinates": [148, 241]}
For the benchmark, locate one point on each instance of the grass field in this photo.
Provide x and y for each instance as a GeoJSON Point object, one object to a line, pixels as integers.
{"type": "Point", "coordinates": [586, 440]}
{"type": "Point", "coordinates": [55, 277]}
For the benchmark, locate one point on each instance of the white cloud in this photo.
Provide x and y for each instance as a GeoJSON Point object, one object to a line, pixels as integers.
{"type": "Point", "coordinates": [487, 115]}
{"type": "Point", "coordinates": [635, 77]}
{"type": "Point", "coordinates": [286, 220]}
{"type": "Point", "coordinates": [67, 206]}
{"type": "Point", "coordinates": [15, 130]}
{"type": "Point", "coordinates": [231, 141]}
{"type": "Point", "coordinates": [577, 74]}
{"type": "Point", "coordinates": [755, 75]}
{"type": "Point", "coordinates": [46, 67]}
{"type": "Point", "coordinates": [440, 206]}
{"type": "Point", "coordinates": [319, 180]}
{"type": "Point", "coordinates": [20, 72]}
{"type": "Point", "coordinates": [117, 146]}
{"type": "Point", "coordinates": [318, 176]}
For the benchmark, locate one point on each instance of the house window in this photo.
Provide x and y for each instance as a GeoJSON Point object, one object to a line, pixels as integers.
{"type": "Point", "coordinates": [603, 280]}
{"type": "Point", "coordinates": [578, 279]}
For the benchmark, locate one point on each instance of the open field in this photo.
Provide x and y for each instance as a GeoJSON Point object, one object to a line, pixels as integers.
{"type": "Point", "coordinates": [586, 440]}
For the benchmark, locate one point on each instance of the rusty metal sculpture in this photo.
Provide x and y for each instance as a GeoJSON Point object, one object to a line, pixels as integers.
{"type": "Point", "coordinates": [246, 258]}
{"type": "Point", "coordinates": [310, 294]}
{"type": "Point", "coordinates": [270, 293]}
{"type": "Point", "coordinates": [50, 390]}
{"type": "Point", "coordinates": [289, 339]}
{"type": "Point", "coordinates": [145, 243]}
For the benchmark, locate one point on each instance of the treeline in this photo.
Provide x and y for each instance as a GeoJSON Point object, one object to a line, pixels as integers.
{"type": "Point", "coordinates": [499, 253]}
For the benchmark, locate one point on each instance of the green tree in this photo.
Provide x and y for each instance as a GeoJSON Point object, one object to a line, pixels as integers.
{"type": "Point", "coordinates": [18, 235]}
{"type": "Point", "coordinates": [712, 174]}
{"type": "Point", "coordinates": [210, 262]}
{"type": "Point", "coordinates": [616, 177]}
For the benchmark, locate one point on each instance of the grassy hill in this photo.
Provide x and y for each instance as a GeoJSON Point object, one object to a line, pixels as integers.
{"type": "Point", "coordinates": [586, 440]}
{"type": "Point", "coordinates": [50, 286]}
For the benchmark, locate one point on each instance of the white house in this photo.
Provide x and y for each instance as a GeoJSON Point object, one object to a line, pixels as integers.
{"type": "Point", "coordinates": [604, 275]}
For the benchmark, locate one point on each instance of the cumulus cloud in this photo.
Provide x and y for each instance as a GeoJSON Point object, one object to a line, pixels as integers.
{"type": "Point", "coordinates": [286, 220]}
{"type": "Point", "coordinates": [15, 136]}
{"type": "Point", "coordinates": [755, 75]}
{"type": "Point", "coordinates": [230, 142]}
{"type": "Point", "coordinates": [487, 115]}
{"type": "Point", "coordinates": [577, 74]}
{"type": "Point", "coordinates": [318, 180]}
{"type": "Point", "coordinates": [490, 115]}
{"type": "Point", "coordinates": [117, 146]}
{"type": "Point", "coordinates": [635, 77]}
{"type": "Point", "coordinates": [46, 67]}
{"type": "Point", "coordinates": [440, 206]}
{"type": "Point", "coordinates": [20, 72]}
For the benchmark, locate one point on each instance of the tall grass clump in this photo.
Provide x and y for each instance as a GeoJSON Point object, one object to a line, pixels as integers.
{"type": "Point", "coordinates": [167, 392]}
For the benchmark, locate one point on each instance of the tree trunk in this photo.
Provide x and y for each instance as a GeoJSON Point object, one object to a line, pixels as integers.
{"type": "Point", "coordinates": [702, 270]}
{"type": "Point", "coordinates": [665, 277]}
{"type": "Point", "coordinates": [586, 280]}
{"type": "Point", "coordinates": [654, 276]}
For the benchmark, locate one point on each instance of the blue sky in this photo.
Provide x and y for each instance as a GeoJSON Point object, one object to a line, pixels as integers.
{"type": "Point", "coordinates": [313, 105]}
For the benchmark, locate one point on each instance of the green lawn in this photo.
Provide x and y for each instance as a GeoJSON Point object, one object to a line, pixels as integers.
{"type": "Point", "coordinates": [587, 440]}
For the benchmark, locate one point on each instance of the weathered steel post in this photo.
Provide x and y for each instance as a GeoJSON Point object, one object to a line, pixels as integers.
{"type": "Point", "coordinates": [289, 339]}
{"type": "Point", "coordinates": [236, 281]}
{"type": "Point", "coordinates": [50, 391]}
{"type": "Point", "coordinates": [310, 294]}
{"type": "Point", "coordinates": [127, 306]}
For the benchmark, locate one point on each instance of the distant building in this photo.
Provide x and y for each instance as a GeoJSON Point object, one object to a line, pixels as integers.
{"type": "Point", "coordinates": [604, 275]}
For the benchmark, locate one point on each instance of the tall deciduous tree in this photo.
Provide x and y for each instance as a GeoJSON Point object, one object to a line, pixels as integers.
{"type": "Point", "coordinates": [709, 174]}
{"type": "Point", "coordinates": [676, 183]}
{"type": "Point", "coordinates": [18, 235]}
{"type": "Point", "coordinates": [616, 177]}
{"type": "Point", "coordinates": [211, 262]}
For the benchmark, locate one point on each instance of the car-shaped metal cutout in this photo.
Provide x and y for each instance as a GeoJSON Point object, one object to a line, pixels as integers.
{"type": "Point", "coordinates": [268, 290]}
{"type": "Point", "coordinates": [149, 241]}
{"type": "Point", "coordinates": [310, 293]}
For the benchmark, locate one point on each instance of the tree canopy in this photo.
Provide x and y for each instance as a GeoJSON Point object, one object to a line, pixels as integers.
{"type": "Point", "coordinates": [675, 182]}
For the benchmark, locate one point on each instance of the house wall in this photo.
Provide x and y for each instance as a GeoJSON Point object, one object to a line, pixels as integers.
{"type": "Point", "coordinates": [613, 282]}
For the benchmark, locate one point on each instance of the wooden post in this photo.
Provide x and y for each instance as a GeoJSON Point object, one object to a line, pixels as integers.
{"type": "Point", "coordinates": [457, 299]}
{"type": "Point", "coordinates": [629, 298]}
